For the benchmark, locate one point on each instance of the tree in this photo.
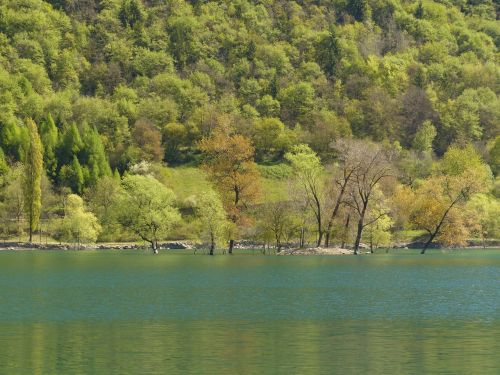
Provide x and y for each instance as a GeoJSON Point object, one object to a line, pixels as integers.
{"type": "Point", "coordinates": [49, 136]}
{"type": "Point", "coordinates": [378, 230]}
{"type": "Point", "coordinates": [32, 182]}
{"type": "Point", "coordinates": [495, 156]}
{"type": "Point", "coordinates": [228, 159]}
{"type": "Point", "coordinates": [459, 176]}
{"type": "Point", "coordinates": [419, 11]}
{"type": "Point", "coordinates": [277, 220]}
{"type": "Point", "coordinates": [297, 101]}
{"type": "Point", "coordinates": [103, 199]}
{"type": "Point", "coordinates": [348, 151]}
{"type": "Point", "coordinates": [72, 175]}
{"type": "Point", "coordinates": [359, 9]}
{"type": "Point", "coordinates": [13, 139]}
{"type": "Point", "coordinates": [374, 166]}
{"type": "Point", "coordinates": [148, 140]}
{"type": "Point", "coordinates": [70, 145]}
{"type": "Point", "coordinates": [174, 136]}
{"type": "Point", "coordinates": [147, 209]}
{"type": "Point", "coordinates": [310, 176]}
{"type": "Point", "coordinates": [94, 156]}
{"type": "Point", "coordinates": [328, 51]}
{"type": "Point", "coordinates": [185, 47]}
{"type": "Point", "coordinates": [484, 210]}
{"type": "Point", "coordinates": [78, 225]}
{"type": "Point", "coordinates": [424, 137]}
{"type": "Point", "coordinates": [271, 138]}
{"type": "Point", "coordinates": [212, 216]}
{"type": "Point", "coordinates": [14, 196]}
{"type": "Point", "coordinates": [4, 168]}
{"type": "Point", "coordinates": [130, 13]}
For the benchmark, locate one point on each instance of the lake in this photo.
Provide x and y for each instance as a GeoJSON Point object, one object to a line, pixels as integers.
{"type": "Point", "coordinates": [127, 312]}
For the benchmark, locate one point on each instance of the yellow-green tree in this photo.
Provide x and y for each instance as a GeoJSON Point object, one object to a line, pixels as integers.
{"type": "Point", "coordinates": [435, 205]}
{"type": "Point", "coordinates": [32, 184]}
{"type": "Point", "coordinates": [485, 212]}
{"type": "Point", "coordinates": [147, 209]}
{"type": "Point", "coordinates": [309, 174]}
{"type": "Point", "coordinates": [212, 216]}
{"type": "Point", "coordinates": [79, 225]}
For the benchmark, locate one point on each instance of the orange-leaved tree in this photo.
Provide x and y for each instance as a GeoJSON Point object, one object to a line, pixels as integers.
{"type": "Point", "coordinates": [229, 161]}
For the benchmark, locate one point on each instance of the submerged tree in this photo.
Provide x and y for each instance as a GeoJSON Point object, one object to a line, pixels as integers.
{"type": "Point", "coordinates": [212, 216]}
{"type": "Point", "coordinates": [459, 176]}
{"type": "Point", "coordinates": [147, 209]}
{"type": "Point", "coordinates": [32, 182]}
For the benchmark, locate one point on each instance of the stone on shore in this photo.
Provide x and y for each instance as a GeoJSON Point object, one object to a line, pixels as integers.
{"type": "Point", "coordinates": [317, 251]}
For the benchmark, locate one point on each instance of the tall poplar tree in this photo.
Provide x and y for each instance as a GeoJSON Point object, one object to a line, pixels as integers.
{"type": "Point", "coordinates": [32, 184]}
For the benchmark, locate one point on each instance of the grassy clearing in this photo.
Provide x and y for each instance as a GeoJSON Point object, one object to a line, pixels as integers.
{"type": "Point", "coordinates": [190, 181]}
{"type": "Point", "coordinates": [186, 181]}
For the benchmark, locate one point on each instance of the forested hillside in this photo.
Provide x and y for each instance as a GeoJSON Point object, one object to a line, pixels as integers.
{"type": "Point", "coordinates": [122, 88]}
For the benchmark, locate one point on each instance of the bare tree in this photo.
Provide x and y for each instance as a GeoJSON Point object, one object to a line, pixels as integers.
{"type": "Point", "coordinates": [374, 165]}
{"type": "Point", "coordinates": [277, 221]}
{"type": "Point", "coordinates": [342, 177]}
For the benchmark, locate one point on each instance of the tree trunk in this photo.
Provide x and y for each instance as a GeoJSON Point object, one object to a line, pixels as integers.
{"type": "Point", "coordinates": [278, 243]}
{"type": "Point", "coordinates": [318, 219]}
{"type": "Point", "coordinates": [212, 244]}
{"type": "Point", "coordinates": [31, 227]}
{"type": "Point", "coordinates": [320, 237]}
{"type": "Point", "coordinates": [358, 236]}
{"type": "Point", "coordinates": [346, 231]}
{"type": "Point", "coordinates": [231, 246]}
{"type": "Point", "coordinates": [327, 238]}
{"type": "Point", "coordinates": [361, 226]}
{"type": "Point", "coordinates": [438, 228]}
{"type": "Point", "coordinates": [154, 245]}
{"type": "Point", "coordinates": [332, 218]}
{"type": "Point", "coordinates": [428, 242]}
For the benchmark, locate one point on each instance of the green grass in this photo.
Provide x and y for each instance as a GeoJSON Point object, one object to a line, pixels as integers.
{"type": "Point", "coordinates": [273, 190]}
{"type": "Point", "coordinates": [189, 181]}
{"type": "Point", "coordinates": [186, 181]}
{"type": "Point", "coordinates": [408, 235]}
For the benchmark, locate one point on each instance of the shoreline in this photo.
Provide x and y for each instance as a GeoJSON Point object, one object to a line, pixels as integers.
{"type": "Point", "coordinates": [181, 245]}
{"type": "Point", "coordinates": [14, 246]}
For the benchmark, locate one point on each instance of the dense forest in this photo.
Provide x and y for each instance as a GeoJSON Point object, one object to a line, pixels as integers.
{"type": "Point", "coordinates": [282, 122]}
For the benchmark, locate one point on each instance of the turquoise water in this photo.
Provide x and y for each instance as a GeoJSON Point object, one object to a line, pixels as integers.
{"type": "Point", "coordinates": [129, 313]}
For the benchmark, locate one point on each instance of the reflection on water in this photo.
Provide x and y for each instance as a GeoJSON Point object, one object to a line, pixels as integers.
{"type": "Point", "coordinates": [127, 313]}
{"type": "Point", "coordinates": [245, 347]}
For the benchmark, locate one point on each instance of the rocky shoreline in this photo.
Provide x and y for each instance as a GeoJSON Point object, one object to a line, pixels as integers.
{"type": "Point", "coordinates": [316, 251]}
{"type": "Point", "coordinates": [176, 245]}
{"type": "Point", "coordinates": [185, 245]}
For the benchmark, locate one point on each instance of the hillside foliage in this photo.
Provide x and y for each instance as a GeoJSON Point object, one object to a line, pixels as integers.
{"type": "Point", "coordinates": [119, 87]}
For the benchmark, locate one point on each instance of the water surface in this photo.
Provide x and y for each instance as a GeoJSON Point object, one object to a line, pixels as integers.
{"type": "Point", "coordinates": [129, 312]}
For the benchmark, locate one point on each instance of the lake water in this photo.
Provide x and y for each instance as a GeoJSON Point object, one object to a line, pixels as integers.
{"type": "Point", "coordinates": [116, 312]}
